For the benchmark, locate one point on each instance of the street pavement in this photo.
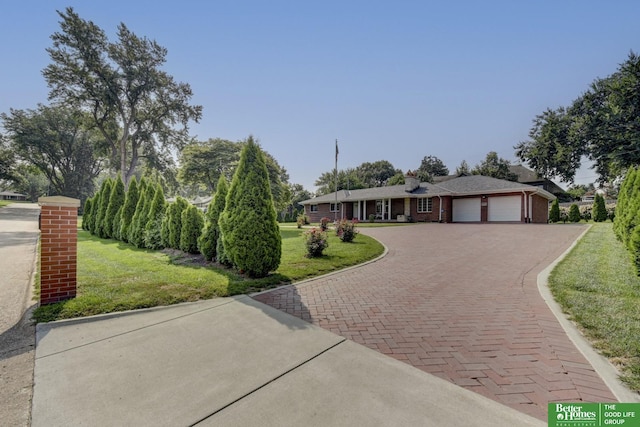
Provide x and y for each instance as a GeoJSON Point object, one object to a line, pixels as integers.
{"type": "Point", "coordinates": [18, 249]}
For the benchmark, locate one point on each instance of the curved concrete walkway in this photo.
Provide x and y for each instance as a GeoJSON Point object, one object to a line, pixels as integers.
{"type": "Point", "coordinates": [459, 301]}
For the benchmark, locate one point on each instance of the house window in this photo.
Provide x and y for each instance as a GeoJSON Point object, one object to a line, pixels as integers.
{"type": "Point", "coordinates": [334, 207]}
{"type": "Point", "coordinates": [425, 204]}
{"type": "Point", "coordinates": [313, 208]}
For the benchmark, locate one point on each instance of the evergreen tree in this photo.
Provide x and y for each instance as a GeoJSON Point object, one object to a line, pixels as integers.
{"type": "Point", "coordinates": [152, 236]}
{"type": "Point", "coordinates": [599, 210]}
{"type": "Point", "coordinates": [117, 224]}
{"type": "Point", "coordinates": [91, 223]}
{"type": "Point", "coordinates": [86, 215]}
{"type": "Point", "coordinates": [105, 194]}
{"type": "Point", "coordinates": [175, 222]}
{"type": "Point", "coordinates": [554, 214]}
{"type": "Point", "coordinates": [139, 221]}
{"type": "Point", "coordinates": [209, 239]}
{"type": "Point", "coordinates": [250, 232]}
{"type": "Point", "coordinates": [574, 213]}
{"type": "Point", "coordinates": [622, 222]}
{"type": "Point", "coordinates": [164, 226]}
{"type": "Point", "coordinates": [192, 222]}
{"type": "Point", "coordinates": [116, 200]}
{"type": "Point", "coordinates": [128, 209]}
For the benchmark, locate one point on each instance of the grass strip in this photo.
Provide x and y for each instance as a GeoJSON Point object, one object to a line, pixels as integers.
{"type": "Point", "coordinates": [597, 286]}
{"type": "Point", "coordinates": [116, 276]}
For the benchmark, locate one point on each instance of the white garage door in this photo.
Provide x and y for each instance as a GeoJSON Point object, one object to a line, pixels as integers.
{"type": "Point", "coordinates": [466, 210]}
{"type": "Point", "coordinates": [504, 208]}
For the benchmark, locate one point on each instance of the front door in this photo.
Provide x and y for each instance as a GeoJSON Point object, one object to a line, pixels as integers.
{"type": "Point", "coordinates": [356, 210]}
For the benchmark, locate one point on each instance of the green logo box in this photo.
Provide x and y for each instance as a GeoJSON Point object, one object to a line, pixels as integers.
{"type": "Point", "coordinates": [593, 414]}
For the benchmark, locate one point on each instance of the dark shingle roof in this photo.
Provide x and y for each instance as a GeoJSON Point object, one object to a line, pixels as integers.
{"type": "Point", "coordinates": [476, 184]}
{"type": "Point", "coordinates": [461, 186]}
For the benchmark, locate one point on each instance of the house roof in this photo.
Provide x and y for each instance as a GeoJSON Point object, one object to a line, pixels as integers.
{"type": "Point", "coordinates": [461, 186]}
{"type": "Point", "coordinates": [527, 176]}
{"type": "Point", "coordinates": [11, 193]}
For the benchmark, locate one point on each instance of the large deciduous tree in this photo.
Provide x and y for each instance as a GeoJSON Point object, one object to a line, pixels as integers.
{"type": "Point", "coordinates": [551, 151]}
{"type": "Point", "coordinates": [376, 174]}
{"type": "Point", "coordinates": [202, 162]}
{"type": "Point", "coordinates": [603, 124]}
{"type": "Point", "coordinates": [54, 139]}
{"type": "Point", "coordinates": [7, 161]}
{"type": "Point", "coordinates": [495, 167]}
{"type": "Point", "coordinates": [348, 179]}
{"type": "Point", "coordinates": [140, 109]}
{"type": "Point", "coordinates": [429, 167]}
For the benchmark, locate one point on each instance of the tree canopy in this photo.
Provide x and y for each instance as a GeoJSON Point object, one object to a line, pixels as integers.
{"type": "Point", "coordinates": [55, 140]}
{"type": "Point", "coordinates": [429, 167]}
{"type": "Point", "coordinates": [202, 162]}
{"type": "Point", "coordinates": [367, 175]}
{"type": "Point", "coordinates": [139, 109]}
{"type": "Point", "coordinates": [495, 167]}
{"type": "Point", "coordinates": [602, 124]}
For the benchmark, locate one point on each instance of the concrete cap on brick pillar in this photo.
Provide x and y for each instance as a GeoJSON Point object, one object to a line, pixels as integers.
{"type": "Point", "coordinates": [59, 201]}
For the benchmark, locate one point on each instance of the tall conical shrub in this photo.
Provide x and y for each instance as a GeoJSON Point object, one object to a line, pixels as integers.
{"type": "Point", "coordinates": [86, 216]}
{"type": "Point", "coordinates": [105, 194]}
{"type": "Point", "coordinates": [139, 221]}
{"type": "Point", "coordinates": [117, 224]}
{"type": "Point", "coordinates": [624, 206]}
{"type": "Point", "coordinates": [249, 227]}
{"type": "Point", "coordinates": [175, 221]}
{"type": "Point", "coordinates": [574, 213]}
{"type": "Point", "coordinates": [128, 209]}
{"type": "Point", "coordinates": [116, 200]}
{"type": "Point", "coordinates": [599, 210]}
{"type": "Point", "coordinates": [152, 236]}
{"type": "Point", "coordinates": [554, 214]}
{"type": "Point", "coordinates": [209, 239]}
{"type": "Point", "coordinates": [192, 221]}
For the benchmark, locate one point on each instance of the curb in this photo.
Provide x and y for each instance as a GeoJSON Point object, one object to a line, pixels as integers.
{"type": "Point", "coordinates": [602, 365]}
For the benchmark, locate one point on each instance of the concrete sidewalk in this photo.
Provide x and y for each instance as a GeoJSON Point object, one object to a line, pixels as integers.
{"type": "Point", "coordinates": [235, 361]}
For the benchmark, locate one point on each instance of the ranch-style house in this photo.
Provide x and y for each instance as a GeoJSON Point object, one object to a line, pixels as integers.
{"type": "Point", "coordinates": [473, 198]}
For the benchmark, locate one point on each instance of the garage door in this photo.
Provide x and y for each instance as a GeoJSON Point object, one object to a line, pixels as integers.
{"type": "Point", "coordinates": [466, 210]}
{"type": "Point", "coordinates": [505, 208]}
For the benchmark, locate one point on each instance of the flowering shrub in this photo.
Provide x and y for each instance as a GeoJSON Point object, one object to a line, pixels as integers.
{"type": "Point", "coordinates": [324, 223]}
{"type": "Point", "coordinates": [302, 220]}
{"type": "Point", "coordinates": [316, 242]}
{"type": "Point", "coordinates": [346, 230]}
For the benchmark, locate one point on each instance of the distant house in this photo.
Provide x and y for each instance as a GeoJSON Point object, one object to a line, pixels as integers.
{"type": "Point", "coordinates": [473, 198]}
{"type": "Point", "coordinates": [10, 195]}
{"type": "Point", "coordinates": [527, 176]}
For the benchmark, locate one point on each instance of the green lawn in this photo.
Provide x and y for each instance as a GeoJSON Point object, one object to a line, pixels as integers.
{"type": "Point", "coordinates": [115, 276]}
{"type": "Point", "coordinates": [597, 285]}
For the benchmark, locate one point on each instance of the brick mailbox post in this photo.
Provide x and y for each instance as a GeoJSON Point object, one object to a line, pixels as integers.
{"type": "Point", "coordinates": [58, 248]}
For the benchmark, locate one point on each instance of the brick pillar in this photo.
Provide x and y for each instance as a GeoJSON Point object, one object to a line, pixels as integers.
{"type": "Point", "coordinates": [58, 248]}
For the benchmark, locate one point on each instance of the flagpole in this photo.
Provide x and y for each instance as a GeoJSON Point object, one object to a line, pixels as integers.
{"type": "Point", "coordinates": [335, 212]}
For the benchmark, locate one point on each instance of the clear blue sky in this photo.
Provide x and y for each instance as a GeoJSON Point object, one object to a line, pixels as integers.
{"type": "Point", "coordinates": [391, 81]}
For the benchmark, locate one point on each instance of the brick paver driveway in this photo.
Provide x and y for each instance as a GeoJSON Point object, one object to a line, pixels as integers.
{"type": "Point", "coordinates": [459, 301]}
